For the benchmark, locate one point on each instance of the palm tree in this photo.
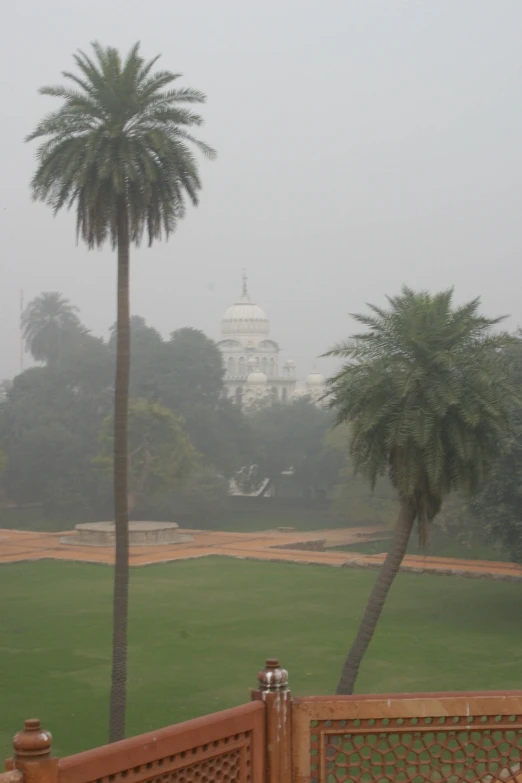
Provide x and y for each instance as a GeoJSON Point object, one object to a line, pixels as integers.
{"type": "Point", "coordinates": [119, 152]}
{"type": "Point", "coordinates": [427, 392]}
{"type": "Point", "coordinates": [47, 324]}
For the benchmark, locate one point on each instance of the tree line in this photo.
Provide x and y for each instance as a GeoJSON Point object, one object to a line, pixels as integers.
{"type": "Point", "coordinates": [186, 440]}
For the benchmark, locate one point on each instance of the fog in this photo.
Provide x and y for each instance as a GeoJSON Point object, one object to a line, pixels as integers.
{"type": "Point", "coordinates": [362, 145]}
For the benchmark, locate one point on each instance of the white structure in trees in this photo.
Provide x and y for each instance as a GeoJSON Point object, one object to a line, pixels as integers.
{"type": "Point", "coordinates": [251, 358]}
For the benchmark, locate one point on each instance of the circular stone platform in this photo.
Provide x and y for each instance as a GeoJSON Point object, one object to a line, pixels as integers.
{"type": "Point", "coordinates": [140, 534]}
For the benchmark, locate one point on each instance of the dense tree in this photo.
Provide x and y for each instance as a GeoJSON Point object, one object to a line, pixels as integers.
{"type": "Point", "coordinates": [193, 503]}
{"type": "Point", "coordinates": [222, 435]}
{"type": "Point", "coordinates": [44, 466]}
{"type": "Point", "coordinates": [428, 393]}
{"type": "Point", "coordinates": [352, 500]}
{"type": "Point", "coordinates": [147, 358]}
{"type": "Point", "coordinates": [50, 323]}
{"type": "Point", "coordinates": [62, 403]}
{"type": "Point", "coordinates": [48, 426]}
{"type": "Point", "coordinates": [3, 463]}
{"type": "Point", "coordinates": [77, 395]}
{"type": "Point", "coordinates": [160, 453]}
{"type": "Point", "coordinates": [118, 150]}
{"type": "Point", "coordinates": [290, 437]}
{"type": "Point", "coordinates": [194, 371]}
{"type": "Point", "coordinates": [87, 368]}
{"type": "Point", "coordinates": [497, 508]}
{"type": "Point", "coordinates": [185, 373]}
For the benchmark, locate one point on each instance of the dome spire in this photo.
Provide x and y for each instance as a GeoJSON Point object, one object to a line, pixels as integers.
{"type": "Point", "coordinates": [245, 283]}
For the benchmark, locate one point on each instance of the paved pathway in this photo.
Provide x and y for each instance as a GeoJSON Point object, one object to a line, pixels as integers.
{"type": "Point", "coordinates": [278, 545]}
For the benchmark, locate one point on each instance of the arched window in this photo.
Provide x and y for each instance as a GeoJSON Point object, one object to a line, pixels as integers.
{"type": "Point", "coordinates": [239, 395]}
{"type": "Point", "coordinates": [231, 366]}
{"type": "Point", "coordinates": [271, 367]}
{"type": "Point", "coordinates": [242, 366]}
{"type": "Point", "coordinates": [284, 394]}
{"type": "Point", "coordinates": [264, 365]}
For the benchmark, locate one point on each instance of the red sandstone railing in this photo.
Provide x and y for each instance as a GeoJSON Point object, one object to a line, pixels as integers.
{"type": "Point", "coordinates": [415, 738]}
{"type": "Point", "coordinates": [227, 746]}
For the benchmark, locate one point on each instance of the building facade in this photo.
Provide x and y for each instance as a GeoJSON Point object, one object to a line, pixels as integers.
{"type": "Point", "coordinates": [253, 370]}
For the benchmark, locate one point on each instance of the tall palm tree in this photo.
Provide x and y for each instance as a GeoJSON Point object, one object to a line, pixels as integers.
{"type": "Point", "coordinates": [427, 391]}
{"type": "Point", "coordinates": [119, 152]}
{"type": "Point", "coordinates": [47, 323]}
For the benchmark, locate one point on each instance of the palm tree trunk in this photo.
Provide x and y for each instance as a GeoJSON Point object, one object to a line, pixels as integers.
{"type": "Point", "coordinates": [388, 572]}
{"type": "Point", "coordinates": [121, 516]}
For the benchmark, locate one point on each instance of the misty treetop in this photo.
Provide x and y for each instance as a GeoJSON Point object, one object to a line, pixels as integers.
{"type": "Point", "coordinates": [49, 325]}
{"type": "Point", "coordinates": [74, 389]}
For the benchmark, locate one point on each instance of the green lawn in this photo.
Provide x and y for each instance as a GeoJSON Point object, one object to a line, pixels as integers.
{"type": "Point", "coordinates": [200, 630]}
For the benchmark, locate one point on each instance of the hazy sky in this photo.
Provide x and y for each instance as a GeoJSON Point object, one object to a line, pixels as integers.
{"type": "Point", "coordinates": [362, 144]}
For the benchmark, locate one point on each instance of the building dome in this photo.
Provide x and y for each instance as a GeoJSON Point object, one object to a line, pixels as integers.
{"type": "Point", "coordinates": [315, 379]}
{"type": "Point", "coordinates": [257, 378]}
{"type": "Point", "coordinates": [245, 317]}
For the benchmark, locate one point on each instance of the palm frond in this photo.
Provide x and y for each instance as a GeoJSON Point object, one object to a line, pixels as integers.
{"type": "Point", "coordinates": [427, 390]}
{"type": "Point", "coordinates": [121, 132]}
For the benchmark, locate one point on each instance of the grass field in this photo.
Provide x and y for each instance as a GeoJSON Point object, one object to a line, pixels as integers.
{"type": "Point", "coordinates": [200, 630]}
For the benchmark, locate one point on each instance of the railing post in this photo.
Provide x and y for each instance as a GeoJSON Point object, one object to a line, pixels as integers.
{"type": "Point", "coordinates": [32, 754]}
{"type": "Point", "coordinates": [274, 691]}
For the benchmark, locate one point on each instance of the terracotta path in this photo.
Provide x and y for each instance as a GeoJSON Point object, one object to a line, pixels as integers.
{"type": "Point", "coordinates": [277, 545]}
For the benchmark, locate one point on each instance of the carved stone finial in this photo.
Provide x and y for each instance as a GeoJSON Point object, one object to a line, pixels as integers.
{"type": "Point", "coordinates": [273, 677]}
{"type": "Point", "coordinates": [32, 742]}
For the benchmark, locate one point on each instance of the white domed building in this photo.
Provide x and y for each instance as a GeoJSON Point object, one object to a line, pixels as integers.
{"type": "Point", "coordinates": [251, 358]}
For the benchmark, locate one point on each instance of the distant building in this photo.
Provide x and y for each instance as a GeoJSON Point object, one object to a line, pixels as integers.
{"type": "Point", "coordinates": [251, 358]}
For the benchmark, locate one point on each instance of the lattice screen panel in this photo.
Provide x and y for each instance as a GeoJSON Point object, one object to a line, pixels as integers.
{"type": "Point", "coordinates": [225, 768]}
{"type": "Point", "coordinates": [417, 750]}
{"type": "Point", "coordinates": [223, 761]}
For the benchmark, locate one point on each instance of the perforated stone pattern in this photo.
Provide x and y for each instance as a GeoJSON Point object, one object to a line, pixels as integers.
{"type": "Point", "coordinates": [417, 750]}
{"type": "Point", "coordinates": [223, 761]}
